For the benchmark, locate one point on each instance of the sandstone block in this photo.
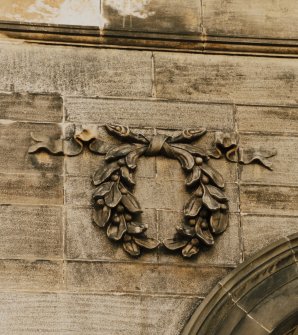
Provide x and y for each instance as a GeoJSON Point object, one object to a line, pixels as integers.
{"type": "Point", "coordinates": [141, 278]}
{"type": "Point", "coordinates": [94, 314]}
{"type": "Point", "coordinates": [285, 163]}
{"type": "Point", "coordinates": [267, 19]}
{"type": "Point", "coordinates": [32, 189]}
{"type": "Point", "coordinates": [75, 71]}
{"type": "Point", "coordinates": [156, 16]}
{"type": "Point", "coordinates": [31, 107]}
{"type": "Point", "coordinates": [14, 144]}
{"type": "Point", "coordinates": [259, 231]}
{"type": "Point", "coordinates": [223, 78]}
{"type": "Point", "coordinates": [272, 200]}
{"type": "Point", "coordinates": [157, 194]}
{"type": "Point", "coordinates": [267, 119]}
{"type": "Point", "coordinates": [30, 275]}
{"type": "Point", "coordinates": [31, 231]}
{"type": "Point", "coordinates": [149, 113]}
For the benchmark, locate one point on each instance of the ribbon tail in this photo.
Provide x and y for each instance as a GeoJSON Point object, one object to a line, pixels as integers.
{"type": "Point", "coordinates": [251, 155]}
{"type": "Point", "coordinates": [54, 146]}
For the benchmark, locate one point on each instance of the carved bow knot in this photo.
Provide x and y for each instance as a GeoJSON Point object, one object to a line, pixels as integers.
{"type": "Point", "coordinates": [156, 145]}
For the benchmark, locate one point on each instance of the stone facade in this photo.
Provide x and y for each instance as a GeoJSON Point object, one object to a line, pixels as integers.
{"type": "Point", "coordinates": [58, 271]}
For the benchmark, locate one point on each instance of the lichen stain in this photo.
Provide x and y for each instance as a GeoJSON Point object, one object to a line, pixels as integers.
{"type": "Point", "coordinates": [42, 160]}
{"type": "Point", "coordinates": [69, 12]}
{"type": "Point", "coordinates": [136, 8]}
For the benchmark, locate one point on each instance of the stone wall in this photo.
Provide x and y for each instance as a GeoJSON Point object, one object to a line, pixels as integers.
{"type": "Point", "coordinates": [58, 271]}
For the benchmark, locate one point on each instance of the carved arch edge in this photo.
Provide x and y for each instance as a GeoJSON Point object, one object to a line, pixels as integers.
{"type": "Point", "coordinates": [259, 296]}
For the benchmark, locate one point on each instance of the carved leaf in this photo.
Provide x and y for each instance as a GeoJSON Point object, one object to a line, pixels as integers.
{"type": "Point", "coordinates": [185, 158]}
{"type": "Point", "coordinates": [209, 201]}
{"type": "Point", "coordinates": [192, 149]}
{"type": "Point", "coordinates": [131, 203]}
{"type": "Point", "coordinates": [215, 176]}
{"type": "Point", "coordinates": [101, 215]}
{"type": "Point", "coordinates": [113, 197]}
{"type": "Point", "coordinates": [102, 190]}
{"type": "Point", "coordinates": [204, 234]}
{"type": "Point", "coordinates": [132, 248]}
{"type": "Point", "coordinates": [146, 242]}
{"type": "Point", "coordinates": [193, 206]}
{"type": "Point", "coordinates": [188, 135]}
{"type": "Point", "coordinates": [100, 147]}
{"type": "Point", "coordinates": [194, 176]}
{"type": "Point", "coordinates": [219, 222]}
{"type": "Point", "coordinates": [136, 227]}
{"type": "Point", "coordinates": [216, 193]}
{"type": "Point", "coordinates": [119, 151]}
{"type": "Point", "coordinates": [116, 231]}
{"type": "Point", "coordinates": [104, 172]}
{"type": "Point", "coordinates": [186, 230]}
{"type": "Point", "coordinates": [189, 250]}
{"type": "Point", "coordinates": [125, 133]}
{"type": "Point", "coordinates": [133, 156]}
{"type": "Point", "coordinates": [174, 244]}
{"type": "Point", "coordinates": [127, 176]}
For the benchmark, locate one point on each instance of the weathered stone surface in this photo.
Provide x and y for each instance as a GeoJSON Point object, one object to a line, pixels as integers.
{"type": "Point", "coordinates": [262, 199]}
{"type": "Point", "coordinates": [258, 290]}
{"type": "Point", "coordinates": [280, 304]}
{"type": "Point", "coordinates": [145, 278]}
{"type": "Point", "coordinates": [78, 191]}
{"type": "Point", "coordinates": [31, 189]}
{"type": "Point", "coordinates": [225, 252]}
{"type": "Point", "coordinates": [268, 18]}
{"type": "Point", "coordinates": [247, 323]}
{"type": "Point", "coordinates": [170, 169]}
{"type": "Point", "coordinates": [80, 12]}
{"type": "Point", "coordinates": [75, 71]}
{"type": "Point", "coordinates": [87, 163]}
{"type": "Point", "coordinates": [84, 240]}
{"type": "Point", "coordinates": [150, 192]}
{"type": "Point", "coordinates": [160, 194]}
{"type": "Point", "coordinates": [30, 275]}
{"type": "Point", "coordinates": [30, 231]}
{"type": "Point", "coordinates": [153, 16]}
{"type": "Point", "coordinates": [259, 231]}
{"type": "Point", "coordinates": [285, 163]}
{"type": "Point", "coordinates": [93, 314]}
{"type": "Point", "coordinates": [170, 181]}
{"type": "Point", "coordinates": [149, 113]}
{"type": "Point", "coordinates": [226, 78]}
{"type": "Point", "coordinates": [14, 144]}
{"type": "Point", "coordinates": [267, 119]}
{"type": "Point", "coordinates": [31, 107]}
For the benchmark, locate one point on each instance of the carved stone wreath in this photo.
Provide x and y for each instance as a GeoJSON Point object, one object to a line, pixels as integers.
{"type": "Point", "coordinates": [115, 207]}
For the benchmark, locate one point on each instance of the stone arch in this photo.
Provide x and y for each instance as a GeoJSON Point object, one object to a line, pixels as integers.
{"type": "Point", "coordinates": [259, 297]}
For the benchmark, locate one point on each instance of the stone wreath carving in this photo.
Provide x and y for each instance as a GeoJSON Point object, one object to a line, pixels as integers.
{"type": "Point", "coordinates": [115, 207]}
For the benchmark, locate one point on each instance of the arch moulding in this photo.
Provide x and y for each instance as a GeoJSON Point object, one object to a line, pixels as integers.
{"type": "Point", "coordinates": [259, 297]}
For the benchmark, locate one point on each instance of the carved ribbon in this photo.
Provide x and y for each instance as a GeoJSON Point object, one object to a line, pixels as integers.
{"type": "Point", "coordinates": [226, 144]}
